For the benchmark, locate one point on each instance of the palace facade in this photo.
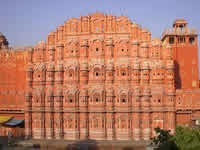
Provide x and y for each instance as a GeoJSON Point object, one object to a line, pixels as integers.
{"type": "Point", "coordinates": [103, 77]}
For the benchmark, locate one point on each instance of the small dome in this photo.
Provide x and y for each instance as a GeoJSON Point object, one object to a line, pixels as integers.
{"type": "Point", "coordinates": [145, 30]}
{"type": "Point", "coordinates": [3, 42]}
{"type": "Point", "coordinates": [85, 18]}
{"type": "Point", "coordinates": [180, 21]}
{"type": "Point", "coordinates": [134, 25]}
{"type": "Point", "coordinates": [40, 45]}
{"type": "Point", "coordinates": [156, 41]}
{"type": "Point", "coordinates": [51, 34]}
{"type": "Point", "coordinates": [60, 27]}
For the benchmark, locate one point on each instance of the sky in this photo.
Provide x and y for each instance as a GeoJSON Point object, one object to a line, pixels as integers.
{"type": "Point", "coordinates": [25, 22]}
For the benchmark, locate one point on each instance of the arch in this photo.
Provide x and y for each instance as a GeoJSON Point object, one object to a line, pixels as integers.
{"type": "Point", "coordinates": [96, 97]}
{"type": "Point", "coordinates": [71, 96]}
{"type": "Point", "coordinates": [71, 73]}
{"type": "Point", "coordinates": [123, 96]}
{"type": "Point", "coordinates": [122, 121]}
{"type": "Point", "coordinates": [96, 72]}
{"type": "Point", "coordinates": [37, 96]}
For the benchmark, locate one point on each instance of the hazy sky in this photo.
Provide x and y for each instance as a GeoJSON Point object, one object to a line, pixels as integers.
{"type": "Point", "coordinates": [25, 22]}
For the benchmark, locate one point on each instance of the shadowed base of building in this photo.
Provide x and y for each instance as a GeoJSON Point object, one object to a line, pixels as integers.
{"type": "Point", "coordinates": [82, 145]}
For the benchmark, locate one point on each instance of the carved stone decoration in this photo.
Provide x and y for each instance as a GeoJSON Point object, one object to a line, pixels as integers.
{"type": "Point", "coordinates": [102, 77]}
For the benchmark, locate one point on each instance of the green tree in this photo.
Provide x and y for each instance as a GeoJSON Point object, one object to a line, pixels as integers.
{"type": "Point", "coordinates": [163, 140]}
{"type": "Point", "coordinates": [187, 138]}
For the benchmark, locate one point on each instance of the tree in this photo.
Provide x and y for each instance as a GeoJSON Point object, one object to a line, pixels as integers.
{"type": "Point", "coordinates": [187, 138]}
{"type": "Point", "coordinates": [163, 140]}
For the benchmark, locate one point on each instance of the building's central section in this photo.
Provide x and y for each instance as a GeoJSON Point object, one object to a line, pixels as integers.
{"type": "Point", "coordinates": [99, 77]}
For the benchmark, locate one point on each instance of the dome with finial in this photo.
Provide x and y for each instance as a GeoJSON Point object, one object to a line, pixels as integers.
{"type": "Point", "coordinates": [3, 42]}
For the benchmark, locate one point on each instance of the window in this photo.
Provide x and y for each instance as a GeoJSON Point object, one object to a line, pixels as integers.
{"type": "Point", "coordinates": [97, 99]}
{"type": "Point", "coordinates": [96, 123]}
{"type": "Point", "coordinates": [181, 39]}
{"type": "Point", "coordinates": [102, 123]}
{"type": "Point", "coordinates": [123, 73]}
{"type": "Point", "coordinates": [171, 40]}
{"type": "Point", "coordinates": [191, 40]}
{"type": "Point", "coordinates": [97, 49]}
{"type": "Point", "coordinates": [123, 100]}
{"type": "Point", "coordinates": [97, 74]}
{"type": "Point", "coordinates": [70, 99]}
{"type": "Point", "coordinates": [122, 49]}
{"type": "Point", "coordinates": [70, 74]}
{"type": "Point", "coordinates": [70, 123]}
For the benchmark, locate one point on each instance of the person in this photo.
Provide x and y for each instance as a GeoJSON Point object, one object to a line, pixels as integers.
{"type": "Point", "coordinates": [9, 137]}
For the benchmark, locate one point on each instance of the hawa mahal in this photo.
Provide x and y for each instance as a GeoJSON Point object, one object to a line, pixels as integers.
{"type": "Point", "coordinates": [102, 77]}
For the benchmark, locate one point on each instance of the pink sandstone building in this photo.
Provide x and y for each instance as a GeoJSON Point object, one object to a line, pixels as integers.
{"type": "Point", "coordinates": [103, 77]}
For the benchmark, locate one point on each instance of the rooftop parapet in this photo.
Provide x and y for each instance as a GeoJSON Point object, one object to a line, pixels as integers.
{"type": "Point", "coordinates": [179, 31]}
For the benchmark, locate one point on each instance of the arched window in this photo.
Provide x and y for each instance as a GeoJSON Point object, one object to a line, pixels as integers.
{"type": "Point", "coordinates": [123, 72]}
{"type": "Point", "coordinates": [96, 123]}
{"type": "Point", "coordinates": [71, 73]}
{"type": "Point", "coordinates": [97, 72]}
{"type": "Point", "coordinates": [123, 123]}
{"type": "Point", "coordinates": [123, 98]}
{"type": "Point", "coordinates": [70, 123]}
{"type": "Point", "coordinates": [96, 98]}
{"type": "Point", "coordinates": [70, 99]}
{"type": "Point", "coordinates": [191, 40]}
